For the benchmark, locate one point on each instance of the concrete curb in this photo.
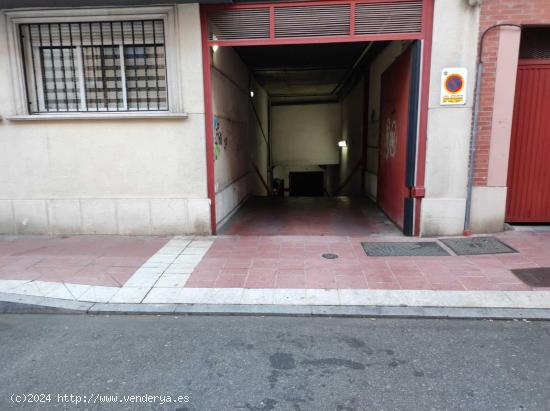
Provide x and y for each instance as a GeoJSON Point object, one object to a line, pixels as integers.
{"type": "Point", "coordinates": [40, 305]}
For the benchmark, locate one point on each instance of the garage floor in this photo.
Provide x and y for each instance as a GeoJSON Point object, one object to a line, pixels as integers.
{"type": "Point", "coordinates": [309, 216]}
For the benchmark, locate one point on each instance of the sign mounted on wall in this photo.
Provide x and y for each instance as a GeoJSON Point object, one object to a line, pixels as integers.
{"type": "Point", "coordinates": [453, 86]}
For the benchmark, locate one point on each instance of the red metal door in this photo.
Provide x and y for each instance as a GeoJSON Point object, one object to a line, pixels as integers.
{"type": "Point", "coordinates": [392, 156]}
{"type": "Point", "coordinates": [529, 166]}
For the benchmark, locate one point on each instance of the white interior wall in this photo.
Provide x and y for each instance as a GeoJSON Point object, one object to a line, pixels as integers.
{"type": "Point", "coordinates": [305, 136]}
{"type": "Point", "coordinates": [112, 176]}
{"type": "Point", "coordinates": [237, 135]}
{"type": "Point", "coordinates": [352, 132]}
{"type": "Point", "coordinates": [258, 139]}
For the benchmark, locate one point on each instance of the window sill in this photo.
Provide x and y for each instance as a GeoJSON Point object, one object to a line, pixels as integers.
{"type": "Point", "coordinates": [97, 116]}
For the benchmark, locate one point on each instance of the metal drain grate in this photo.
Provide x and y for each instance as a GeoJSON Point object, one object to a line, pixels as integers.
{"type": "Point", "coordinates": [477, 246]}
{"type": "Point", "coordinates": [535, 277]}
{"type": "Point", "coordinates": [330, 256]}
{"type": "Point", "coordinates": [396, 249]}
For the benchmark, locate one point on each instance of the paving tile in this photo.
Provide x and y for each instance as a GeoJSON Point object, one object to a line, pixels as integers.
{"type": "Point", "coordinates": [172, 280]}
{"type": "Point", "coordinates": [478, 283]}
{"type": "Point", "coordinates": [230, 281]}
{"type": "Point", "coordinates": [99, 294]}
{"type": "Point", "coordinates": [350, 281]}
{"type": "Point", "coordinates": [322, 297]}
{"type": "Point", "coordinates": [60, 292]}
{"type": "Point", "coordinates": [129, 295]}
{"type": "Point", "coordinates": [321, 281]}
{"type": "Point", "coordinates": [163, 296]}
{"type": "Point", "coordinates": [143, 280]}
{"type": "Point", "coordinates": [260, 296]}
{"type": "Point", "coordinates": [223, 295]}
{"type": "Point", "coordinates": [289, 296]}
{"type": "Point", "coordinates": [290, 280]}
{"type": "Point", "coordinates": [77, 290]}
{"type": "Point", "coordinates": [353, 297]}
{"type": "Point", "coordinates": [7, 285]}
{"type": "Point", "coordinates": [199, 283]}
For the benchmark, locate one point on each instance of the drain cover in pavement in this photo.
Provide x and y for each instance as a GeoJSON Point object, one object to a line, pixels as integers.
{"type": "Point", "coordinates": [396, 249]}
{"type": "Point", "coordinates": [330, 256]}
{"type": "Point", "coordinates": [477, 246]}
{"type": "Point", "coordinates": [535, 277]}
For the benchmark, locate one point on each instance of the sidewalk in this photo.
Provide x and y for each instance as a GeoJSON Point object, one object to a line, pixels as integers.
{"type": "Point", "coordinates": [264, 272]}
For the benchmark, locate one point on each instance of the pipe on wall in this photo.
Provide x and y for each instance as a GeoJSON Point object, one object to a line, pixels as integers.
{"type": "Point", "coordinates": [474, 129]}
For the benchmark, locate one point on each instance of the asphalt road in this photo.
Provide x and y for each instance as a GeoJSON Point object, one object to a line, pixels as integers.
{"type": "Point", "coordinates": [273, 363]}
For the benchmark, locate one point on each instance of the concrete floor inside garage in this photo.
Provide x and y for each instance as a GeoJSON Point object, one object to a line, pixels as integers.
{"type": "Point", "coordinates": [281, 111]}
{"type": "Point", "coordinates": [334, 216]}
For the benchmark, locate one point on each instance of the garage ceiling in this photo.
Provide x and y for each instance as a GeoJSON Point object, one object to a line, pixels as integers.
{"type": "Point", "coordinates": [307, 73]}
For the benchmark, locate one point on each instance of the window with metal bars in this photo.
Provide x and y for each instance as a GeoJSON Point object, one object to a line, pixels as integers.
{"type": "Point", "coordinates": [108, 66]}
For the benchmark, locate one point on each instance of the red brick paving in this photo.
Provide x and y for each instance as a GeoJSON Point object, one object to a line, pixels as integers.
{"type": "Point", "coordinates": [296, 262]}
{"type": "Point", "coordinates": [93, 260]}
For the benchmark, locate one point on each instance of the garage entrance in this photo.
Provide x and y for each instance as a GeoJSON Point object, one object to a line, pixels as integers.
{"type": "Point", "coordinates": [320, 101]}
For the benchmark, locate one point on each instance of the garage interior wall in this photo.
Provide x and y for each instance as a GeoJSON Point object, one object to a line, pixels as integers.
{"type": "Point", "coordinates": [238, 139]}
{"type": "Point", "coordinates": [111, 176]}
{"type": "Point", "coordinates": [305, 138]}
{"type": "Point", "coordinates": [349, 175]}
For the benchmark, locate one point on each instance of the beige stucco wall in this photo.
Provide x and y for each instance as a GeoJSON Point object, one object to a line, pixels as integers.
{"type": "Point", "coordinates": [455, 36]}
{"type": "Point", "coordinates": [112, 176]}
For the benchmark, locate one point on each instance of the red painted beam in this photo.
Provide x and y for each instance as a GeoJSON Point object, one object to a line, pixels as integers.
{"type": "Point", "coordinates": [208, 118]}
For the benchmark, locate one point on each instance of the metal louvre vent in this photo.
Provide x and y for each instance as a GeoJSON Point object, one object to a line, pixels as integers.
{"type": "Point", "coordinates": [382, 18]}
{"type": "Point", "coordinates": [312, 21]}
{"type": "Point", "coordinates": [239, 24]}
{"type": "Point", "coordinates": [535, 43]}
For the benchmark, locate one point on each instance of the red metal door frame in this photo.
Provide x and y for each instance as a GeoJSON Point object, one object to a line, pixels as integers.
{"type": "Point", "coordinates": [425, 36]}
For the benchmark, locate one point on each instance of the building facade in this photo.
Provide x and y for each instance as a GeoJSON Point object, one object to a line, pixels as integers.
{"type": "Point", "coordinates": [155, 119]}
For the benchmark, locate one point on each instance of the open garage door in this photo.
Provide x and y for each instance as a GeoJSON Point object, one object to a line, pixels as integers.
{"type": "Point", "coordinates": [389, 27]}
{"type": "Point", "coordinates": [398, 138]}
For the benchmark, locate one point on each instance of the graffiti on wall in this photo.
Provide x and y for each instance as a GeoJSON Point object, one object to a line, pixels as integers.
{"type": "Point", "coordinates": [390, 137]}
{"type": "Point", "coordinates": [220, 141]}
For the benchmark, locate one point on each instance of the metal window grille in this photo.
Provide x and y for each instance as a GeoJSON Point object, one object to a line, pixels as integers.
{"type": "Point", "coordinates": [95, 66]}
{"type": "Point", "coordinates": [535, 43]}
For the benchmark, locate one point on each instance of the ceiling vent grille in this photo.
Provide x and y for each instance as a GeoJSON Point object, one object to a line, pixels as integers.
{"type": "Point", "coordinates": [312, 21]}
{"type": "Point", "coordinates": [239, 24]}
{"type": "Point", "coordinates": [535, 43]}
{"type": "Point", "coordinates": [387, 18]}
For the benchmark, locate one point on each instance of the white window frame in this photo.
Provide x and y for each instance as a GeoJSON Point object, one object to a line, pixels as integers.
{"type": "Point", "coordinates": [36, 16]}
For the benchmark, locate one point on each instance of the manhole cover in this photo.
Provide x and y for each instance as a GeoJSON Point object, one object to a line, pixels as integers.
{"type": "Point", "coordinates": [396, 249]}
{"type": "Point", "coordinates": [330, 256]}
{"type": "Point", "coordinates": [535, 277]}
{"type": "Point", "coordinates": [477, 246]}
